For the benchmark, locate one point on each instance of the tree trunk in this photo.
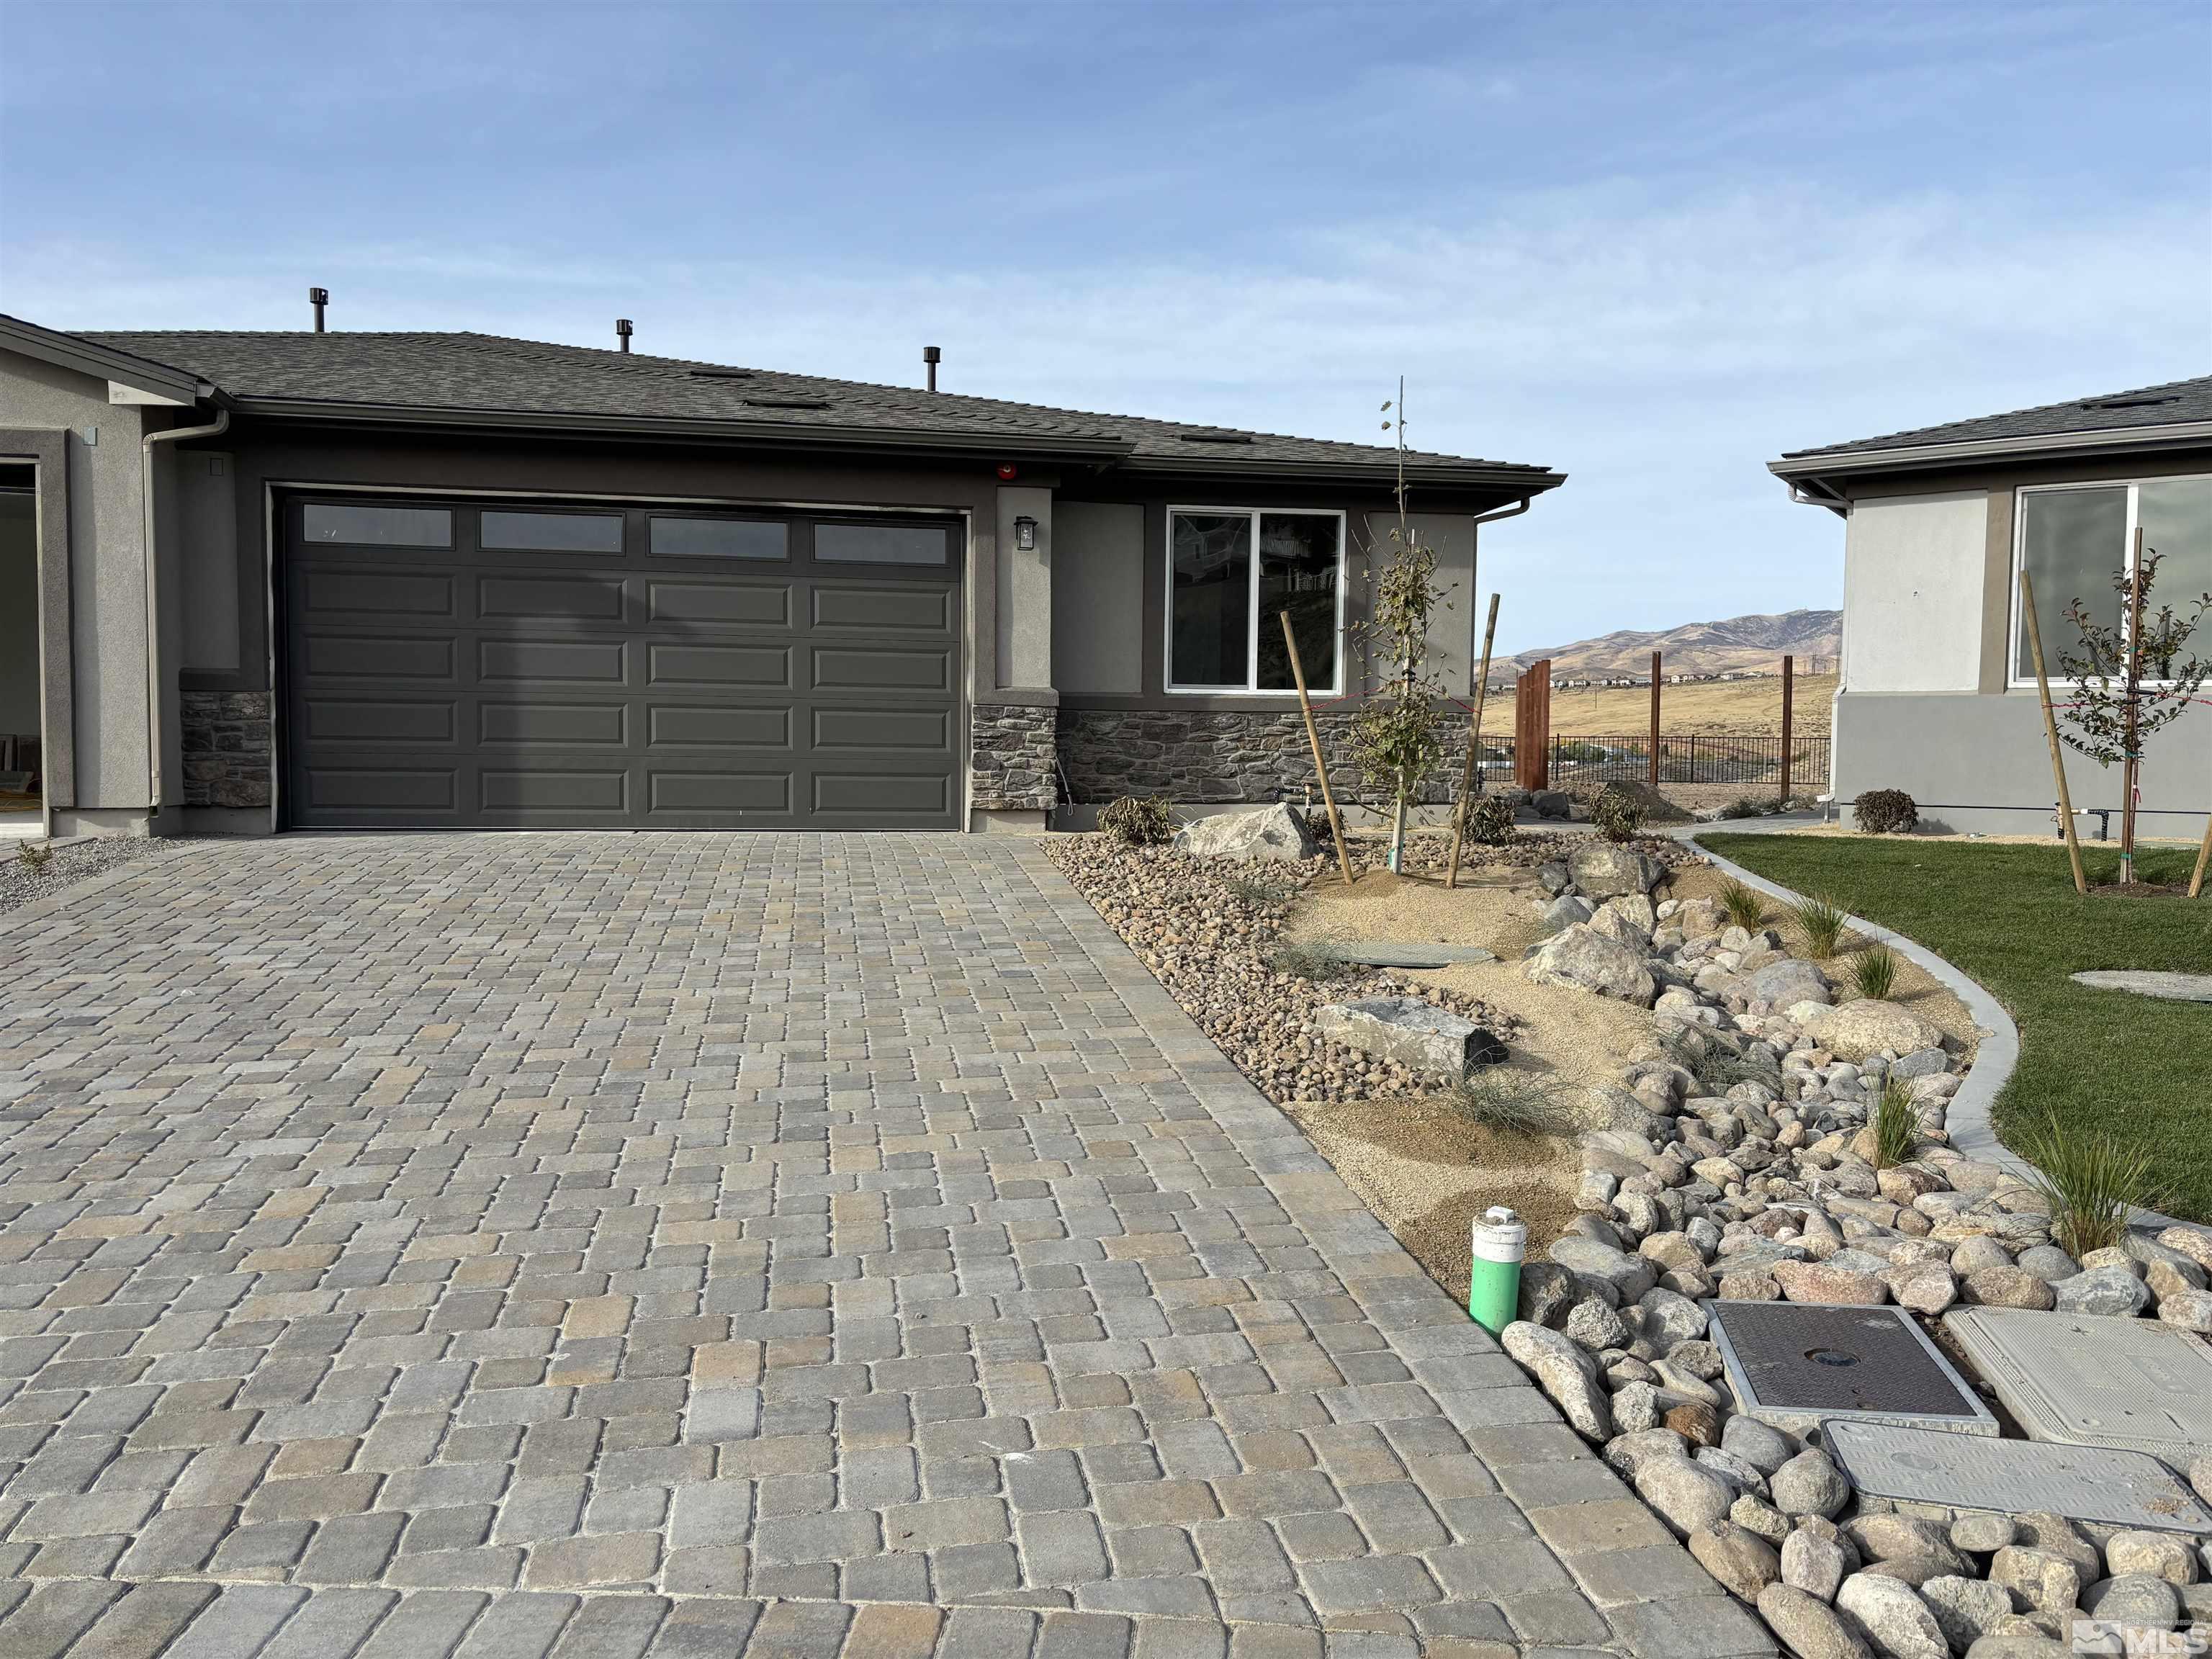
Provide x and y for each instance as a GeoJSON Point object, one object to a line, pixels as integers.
{"type": "Point", "coordinates": [2130, 759]}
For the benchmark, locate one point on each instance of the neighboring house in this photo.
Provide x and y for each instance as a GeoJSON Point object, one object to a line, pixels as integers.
{"type": "Point", "coordinates": [1937, 690]}
{"type": "Point", "coordinates": [444, 580]}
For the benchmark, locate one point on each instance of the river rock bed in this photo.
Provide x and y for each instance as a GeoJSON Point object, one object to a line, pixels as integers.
{"type": "Point", "coordinates": [1206, 929]}
{"type": "Point", "coordinates": [1735, 1158]}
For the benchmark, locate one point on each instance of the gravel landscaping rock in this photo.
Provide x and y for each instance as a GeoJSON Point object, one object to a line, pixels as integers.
{"type": "Point", "coordinates": [2138, 1599]}
{"type": "Point", "coordinates": [1809, 1626]}
{"type": "Point", "coordinates": [1891, 1618]}
{"type": "Point", "coordinates": [2104, 1290]}
{"type": "Point", "coordinates": [2159, 1554]}
{"type": "Point", "coordinates": [1808, 1484]}
{"type": "Point", "coordinates": [1685, 1496]}
{"type": "Point", "coordinates": [1966, 1609]}
{"type": "Point", "coordinates": [1567, 1375]}
{"type": "Point", "coordinates": [22, 882]}
{"type": "Point", "coordinates": [1814, 1562]}
{"type": "Point", "coordinates": [1744, 1563]}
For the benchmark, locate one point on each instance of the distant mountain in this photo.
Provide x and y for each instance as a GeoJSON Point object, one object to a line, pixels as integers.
{"type": "Point", "coordinates": [1713, 647]}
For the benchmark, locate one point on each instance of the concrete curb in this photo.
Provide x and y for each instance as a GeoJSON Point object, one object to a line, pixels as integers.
{"type": "Point", "coordinates": [1968, 1123]}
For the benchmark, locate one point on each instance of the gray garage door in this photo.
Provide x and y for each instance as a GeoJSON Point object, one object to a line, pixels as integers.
{"type": "Point", "coordinates": [452, 663]}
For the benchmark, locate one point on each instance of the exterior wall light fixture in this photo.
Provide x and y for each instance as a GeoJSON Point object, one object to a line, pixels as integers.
{"type": "Point", "coordinates": [1025, 533]}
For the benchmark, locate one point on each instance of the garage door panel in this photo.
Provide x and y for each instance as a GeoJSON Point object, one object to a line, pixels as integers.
{"type": "Point", "coordinates": [852, 668]}
{"type": "Point", "coordinates": [683, 725]}
{"type": "Point", "coordinates": [897, 731]}
{"type": "Point", "coordinates": [851, 794]}
{"type": "Point", "coordinates": [751, 604]}
{"type": "Point", "coordinates": [907, 609]}
{"type": "Point", "coordinates": [384, 790]}
{"type": "Point", "coordinates": [752, 665]}
{"type": "Point", "coordinates": [379, 657]}
{"type": "Point", "coordinates": [337, 593]}
{"type": "Point", "coordinates": [366, 719]}
{"type": "Point", "coordinates": [576, 661]}
{"type": "Point", "coordinates": [554, 789]}
{"type": "Point", "coordinates": [766, 792]}
{"type": "Point", "coordinates": [453, 686]}
{"type": "Point", "coordinates": [553, 723]}
{"type": "Point", "coordinates": [583, 598]}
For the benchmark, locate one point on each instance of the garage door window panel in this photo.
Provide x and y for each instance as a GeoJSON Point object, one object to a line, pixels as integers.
{"type": "Point", "coordinates": [719, 539]}
{"type": "Point", "coordinates": [881, 543]}
{"type": "Point", "coordinates": [550, 532]}
{"type": "Point", "coordinates": [361, 525]}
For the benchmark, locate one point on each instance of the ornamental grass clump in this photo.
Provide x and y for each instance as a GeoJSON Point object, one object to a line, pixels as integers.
{"type": "Point", "coordinates": [1316, 959]}
{"type": "Point", "coordinates": [1821, 921]}
{"type": "Point", "coordinates": [1874, 972]}
{"type": "Point", "coordinates": [1496, 1098]}
{"type": "Point", "coordinates": [1490, 821]}
{"type": "Point", "coordinates": [1896, 1125]}
{"type": "Point", "coordinates": [1744, 905]}
{"type": "Point", "coordinates": [36, 854]}
{"type": "Point", "coordinates": [2091, 1182]}
{"type": "Point", "coordinates": [1139, 821]}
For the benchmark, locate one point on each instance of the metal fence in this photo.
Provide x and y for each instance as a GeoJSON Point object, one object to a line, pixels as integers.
{"type": "Point", "coordinates": [1701, 757]}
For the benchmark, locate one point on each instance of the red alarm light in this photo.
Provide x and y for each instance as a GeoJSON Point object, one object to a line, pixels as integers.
{"type": "Point", "coordinates": [1008, 472]}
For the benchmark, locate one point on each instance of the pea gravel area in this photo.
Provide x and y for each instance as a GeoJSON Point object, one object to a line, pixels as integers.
{"type": "Point", "coordinates": [25, 881]}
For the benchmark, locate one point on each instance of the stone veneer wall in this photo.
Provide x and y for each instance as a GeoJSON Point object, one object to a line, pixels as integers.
{"type": "Point", "coordinates": [227, 745]}
{"type": "Point", "coordinates": [1010, 758]}
{"type": "Point", "coordinates": [1205, 756]}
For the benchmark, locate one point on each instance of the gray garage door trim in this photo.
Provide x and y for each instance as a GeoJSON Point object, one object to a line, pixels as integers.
{"type": "Point", "coordinates": [662, 667]}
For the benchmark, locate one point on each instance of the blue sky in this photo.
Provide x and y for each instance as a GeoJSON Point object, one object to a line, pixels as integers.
{"type": "Point", "coordinates": [1653, 246]}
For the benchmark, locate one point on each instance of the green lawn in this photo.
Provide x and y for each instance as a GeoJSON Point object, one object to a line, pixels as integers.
{"type": "Point", "coordinates": [2101, 1061]}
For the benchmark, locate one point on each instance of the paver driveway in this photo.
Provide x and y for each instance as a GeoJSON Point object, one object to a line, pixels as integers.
{"type": "Point", "coordinates": [710, 1244]}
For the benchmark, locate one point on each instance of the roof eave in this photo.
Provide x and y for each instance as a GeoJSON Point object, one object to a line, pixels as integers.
{"type": "Point", "coordinates": [1812, 463]}
{"type": "Point", "coordinates": [103, 362]}
{"type": "Point", "coordinates": [778, 433]}
{"type": "Point", "coordinates": [1515, 480]}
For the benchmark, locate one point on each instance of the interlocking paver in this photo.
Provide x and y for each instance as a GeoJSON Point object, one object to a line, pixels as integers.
{"type": "Point", "coordinates": [421, 1244]}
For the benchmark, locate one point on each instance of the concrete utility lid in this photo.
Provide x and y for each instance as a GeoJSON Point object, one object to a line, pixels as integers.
{"type": "Point", "coordinates": [1964, 1472]}
{"type": "Point", "coordinates": [1799, 1364]}
{"type": "Point", "coordinates": [2090, 1381]}
{"type": "Point", "coordinates": [1402, 953]}
{"type": "Point", "coordinates": [2173, 987]}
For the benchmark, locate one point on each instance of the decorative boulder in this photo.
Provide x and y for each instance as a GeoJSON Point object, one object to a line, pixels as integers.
{"type": "Point", "coordinates": [2113, 1291]}
{"type": "Point", "coordinates": [1417, 1035]}
{"type": "Point", "coordinates": [1273, 832]}
{"type": "Point", "coordinates": [1602, 870]}
{"type": "Point", "coordinates": [1590, 961]}
{"type": "Point", "coordinates": [1687, 1497]}
{"type": "Point", "coordinates": [1866, 1027]}
{"type": "Point", "coordinates": [1786, 983]}
{"type": "Point", "coordinates": [1565, 1374]}
{"type": "Point", "coordinates": [1807, 1626]}
{"type": "Point", "coordinates": [1895, 1621]}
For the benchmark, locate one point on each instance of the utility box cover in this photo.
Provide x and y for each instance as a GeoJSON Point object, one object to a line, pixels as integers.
{"type": "Point", "coordinates": [1928, 1467]}
{"type": "Point", "coordinates": [1799, 1364]}
{"type": "Point", "coordinates": [2087, 1380]}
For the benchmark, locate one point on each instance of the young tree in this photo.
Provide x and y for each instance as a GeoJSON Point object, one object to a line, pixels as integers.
{"type": "Point", "coordinates": [2130, 680]}
{"type": "Point", "coordinates": [1399, 737]}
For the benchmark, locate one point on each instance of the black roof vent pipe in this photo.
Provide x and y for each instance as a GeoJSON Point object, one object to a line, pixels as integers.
{"type": "Point", "coordinates": [930, 356]}
{"type": "Point", "coordinates": [319, 297]}
{"type": "Point", "coordinates": [622, 331]}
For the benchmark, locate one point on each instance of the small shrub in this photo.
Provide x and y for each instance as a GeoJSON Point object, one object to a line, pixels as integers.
{"type": "Point", "coordinates": [1139, 821]}
{"type": "Point", "coordinates": [36, 854]}
{"type": "Point", "coordinates": [1318, 826]}
{"type": "Point", "coordinates": [1617, 814]}
{"type": "Point", "coordinates": [1490, 821]}
{"type": "Point", "coordinates": [2091, 1181]}
{"type": "Point", "coordinates": [1886, 812]}
{"type": "Point", "coordinates": [1821, 921]}
{"type": "Point", "coordinates": [1874, 972]}
{"type": "Point", "coordinates": [1496, 1098]}
{"type": "Point", "coordinates": [1744, 905]}
{"type": "Point", "coordinates": [1896, 1125]}
{"type": "Point", "coordinates": [1307, 958]}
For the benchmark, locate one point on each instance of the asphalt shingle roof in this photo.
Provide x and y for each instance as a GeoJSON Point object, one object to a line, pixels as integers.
{"type": "Point", "coordinates": [2173, 403]}
{"type": "Point", "coordinates": [488, 373]}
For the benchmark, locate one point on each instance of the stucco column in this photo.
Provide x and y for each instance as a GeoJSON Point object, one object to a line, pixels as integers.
{"type": "Point", "coordinates": [1025, 611]}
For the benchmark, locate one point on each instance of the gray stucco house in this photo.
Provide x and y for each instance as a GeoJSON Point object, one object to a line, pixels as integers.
{"type": "Point", "coordinates": [1937, 691]}
{"type": "Point", "coordinates": [275, 580]}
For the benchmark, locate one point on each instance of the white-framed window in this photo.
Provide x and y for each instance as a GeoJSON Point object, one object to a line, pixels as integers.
{"type": "Point", "coordinates": [2074, 539]}
{"type": "Point", "coordinates": [1232, 571]}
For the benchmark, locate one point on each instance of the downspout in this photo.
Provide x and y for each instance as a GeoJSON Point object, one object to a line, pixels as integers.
{"type": "Point", "coordinates": [156, 700]}
{"type": "Point", "coordinates": [1474, 578]}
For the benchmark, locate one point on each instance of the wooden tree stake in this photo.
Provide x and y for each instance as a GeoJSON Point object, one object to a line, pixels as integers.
{"type": "Point", "coordinates": [2051, 732]}
{"type": "Point", "coordinates": [1313, 736]}
{"type": "Point", "coordinates": [1467, 777]}
{"type": "Point", "coordinates": [1789, 693]}
{"type": "Point", "coordinates": [1654, 719]}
